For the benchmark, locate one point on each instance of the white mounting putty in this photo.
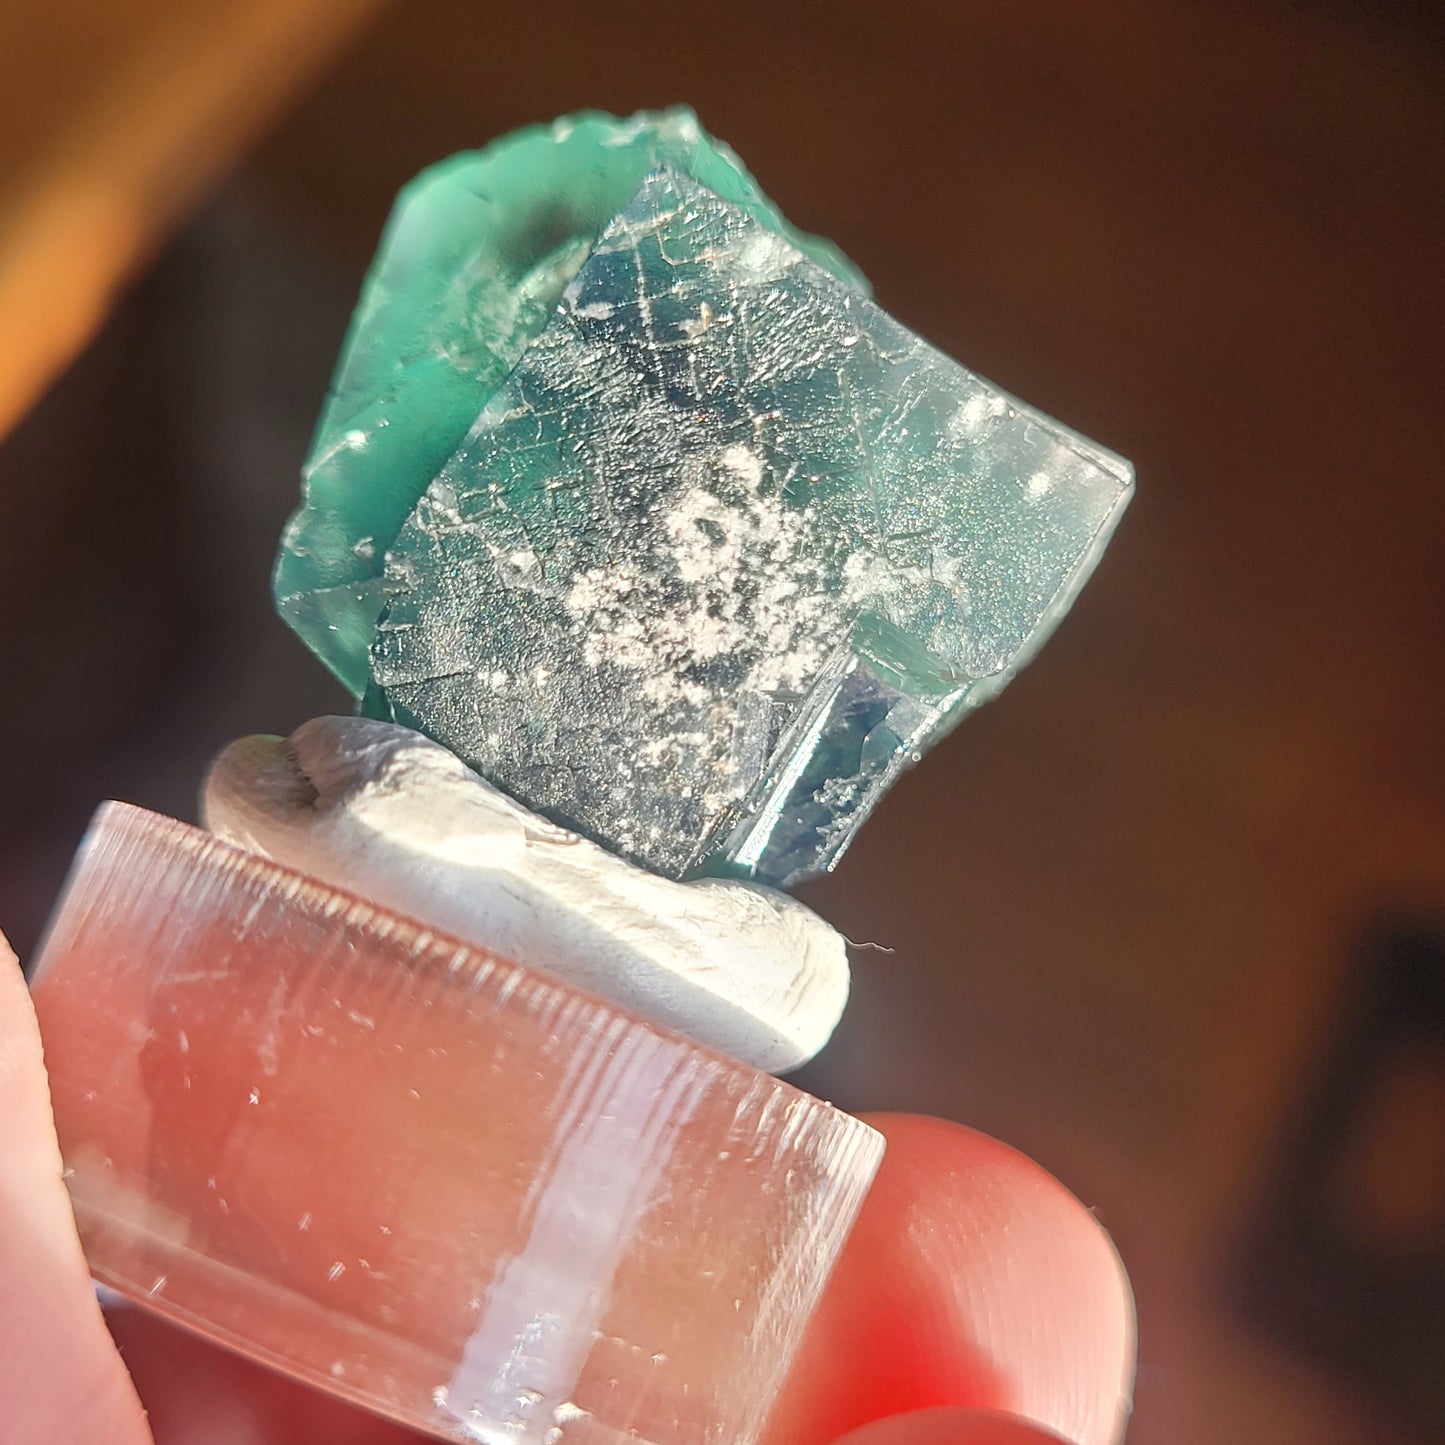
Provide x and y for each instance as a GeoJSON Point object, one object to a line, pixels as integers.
{"type": "Point", "coordinates": [395, 818]}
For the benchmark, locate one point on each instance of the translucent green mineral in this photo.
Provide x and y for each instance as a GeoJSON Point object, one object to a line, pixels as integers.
{"type": "Point", "coordinates": [675, 534]}
{"type": "Point", "coordinates": [474, 261]}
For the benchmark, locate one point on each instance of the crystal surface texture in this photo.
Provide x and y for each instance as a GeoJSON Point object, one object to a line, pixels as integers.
{"type": "Point", "coordinates": [726, 549]}
{"type": "Point", "coordinates": [462, 1195]}
{"type": "Point", "coordinates": [475, 258]}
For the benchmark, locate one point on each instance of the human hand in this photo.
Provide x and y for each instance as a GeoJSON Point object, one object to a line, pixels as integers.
{"type": "Point", "coordinates": [977, 1303]}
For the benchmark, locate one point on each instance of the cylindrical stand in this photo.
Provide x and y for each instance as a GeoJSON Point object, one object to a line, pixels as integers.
{"type": "Point", "coordinates": [451, 1189]}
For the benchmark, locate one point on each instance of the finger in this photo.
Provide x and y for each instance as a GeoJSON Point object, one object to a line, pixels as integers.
{"type": "Point", "coordinates": [972, 1279]}
{"type": "Point", "coordinates": [60, 1376]}
{"type": "Point", "coordinates": [951, 1427]}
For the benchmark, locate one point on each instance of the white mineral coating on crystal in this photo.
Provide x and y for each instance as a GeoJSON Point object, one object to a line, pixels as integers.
{"type": "Point", "coordinates": [726, 550]}
{"type": "Point", "coordinates": [385, 813]}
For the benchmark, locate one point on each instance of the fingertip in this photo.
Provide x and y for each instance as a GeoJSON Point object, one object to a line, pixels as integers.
{"type": "Point", "coordinates": [973, 1279]}
{"type": "Point", "coordinates": [1038, 1283]}
{"type": "Point", "coordinates": [951, 1427]}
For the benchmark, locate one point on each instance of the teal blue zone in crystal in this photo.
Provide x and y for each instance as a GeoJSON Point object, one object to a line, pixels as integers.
{"type": "Point", "coordinates": [474, 261]}
{"type": "Point", "coordinates": [727, 549]}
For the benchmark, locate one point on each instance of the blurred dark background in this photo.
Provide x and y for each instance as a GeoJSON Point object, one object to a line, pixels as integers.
{"type": "Point", "coordinates": [1168, 915]}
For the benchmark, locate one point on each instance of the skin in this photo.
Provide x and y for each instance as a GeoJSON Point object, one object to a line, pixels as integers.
{"type": "Point", "coordinates": [977, 1303]}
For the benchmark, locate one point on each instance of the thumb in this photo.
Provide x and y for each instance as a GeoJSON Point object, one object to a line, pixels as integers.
{"type": "Point", "coordinates": [60, 1375]}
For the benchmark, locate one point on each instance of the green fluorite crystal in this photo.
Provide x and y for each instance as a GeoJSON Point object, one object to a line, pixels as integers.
{"type": "Point", "coordinates": [707, 548]}
{"type": "Point", "coordinates": [474, 261]}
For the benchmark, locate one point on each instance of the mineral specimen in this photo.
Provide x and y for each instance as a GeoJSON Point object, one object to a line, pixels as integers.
{"type": "Point", "coordinates": [723, 550]}
{"type": "Point", "coordinates": [475, 259]}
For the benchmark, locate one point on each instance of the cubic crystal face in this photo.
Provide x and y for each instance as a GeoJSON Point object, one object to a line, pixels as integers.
{"type": "Point", "coordinates": [475, 259]}
{"type": "Point", "coordinates": [725, 549]}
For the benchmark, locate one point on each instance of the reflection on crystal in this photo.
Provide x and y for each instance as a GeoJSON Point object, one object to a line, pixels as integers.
{"type": "Point", "coordinates": [858, 731]}
{"type": "Point", "coordinates": [726, 549]}
{"type": "Point", "coordinates": [475, 259]}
